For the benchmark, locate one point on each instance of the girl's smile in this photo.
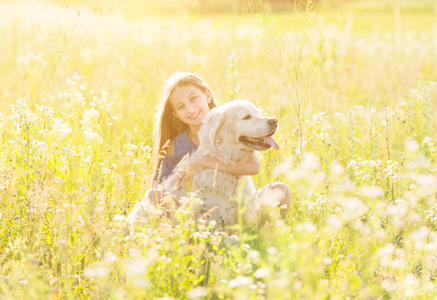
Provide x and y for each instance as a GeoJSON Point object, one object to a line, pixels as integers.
{"type": "Point", "coordinates": [190, 105]}
{"type": "Point", "coordinates": [196, 115]}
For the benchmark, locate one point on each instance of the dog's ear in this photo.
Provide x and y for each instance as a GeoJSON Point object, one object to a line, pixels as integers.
{"type": "Point", "coordinates": [211, 130]}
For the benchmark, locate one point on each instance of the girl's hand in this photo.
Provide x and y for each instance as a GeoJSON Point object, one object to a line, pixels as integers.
{"type": "Point", "coordinates": [197, 164]}
{"type": "Point", "coordinates": [249, 167]}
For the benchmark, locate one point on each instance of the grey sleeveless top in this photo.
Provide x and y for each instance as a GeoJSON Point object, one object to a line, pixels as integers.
{"type": "Point", "coordinates": [182, 146]}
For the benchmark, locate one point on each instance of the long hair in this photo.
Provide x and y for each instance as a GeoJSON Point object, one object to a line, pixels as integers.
{"type": "Point", "coordinates": [167, 126]}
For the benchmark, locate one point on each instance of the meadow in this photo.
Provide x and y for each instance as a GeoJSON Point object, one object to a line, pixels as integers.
{"type": "Point", "coordinates": [353, 85]}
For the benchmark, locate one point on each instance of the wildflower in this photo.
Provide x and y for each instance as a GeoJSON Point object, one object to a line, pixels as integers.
{"type": "Point", "coordinates": [136, 266]}
{"type": "Point", "coordinates": [96, 271]}
{"type": "Point", "coordinates": [239, 281]}
{"type": "Point", "coordinates": [353, 208]}
{"type": "Point", "coordinates": [91, 136]}
{"type": "Point", "coordinates": [398, 263]}
{"type": "Point", "coordinates": [340, 17]}
{"type": "Point", "coordinates": [420, 234]}
{"type": "Point", "coordinates": [197, 293]}
{"type": "Point", "coordinates": [334, 221]}
{"type": "Point", "coordinates": [389, 284]}
{"type": "Point", "coordinates": [89, 115]}
{"type": "Point", "coordinates": [410, 284]}
{"type": "Point", "coordinates": [297, 285]}
{"type": "Point", "coordinates": [310, 161]}
{"type": "Point", "coordinates": [110, 257]}
{"type": "Point", "coordinates": [254, 254]}
{"type": "Point", "coordinates": [119, 218]}
{"type": "Point", "coordinates": [426, 184]}
{"type": "Point", "coordinates": [262, 272]}
{"type": "Point", "coordinates": [411, 145]}
{"type": "Point", "coordinates": [387, 250]}
{"type": "Point", "coordinates": [60, 127]}
{"type": "Point", "coordinates": [371, 191]}
{"type": "Point", "coordinates": [233, 240]}
{"type": "Point", "coordinates": [272, 250]}
{"type": "Point", "coordinates": [306, 227]}
{"type": "Point", "coordinates": [327, 260]}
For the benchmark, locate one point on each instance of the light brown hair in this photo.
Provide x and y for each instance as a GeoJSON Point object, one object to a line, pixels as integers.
{"type": "Point", "coordinates": [167, 126]}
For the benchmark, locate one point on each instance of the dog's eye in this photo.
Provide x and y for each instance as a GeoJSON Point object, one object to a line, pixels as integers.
{"type": "Point", "coordinates": [248, 117]}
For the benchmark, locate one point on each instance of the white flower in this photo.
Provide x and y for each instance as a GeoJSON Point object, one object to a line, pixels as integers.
{"type": "Point", "coordinates": [371, 191]}
{"type": "Point", "coordinates": [239, 281]}
{"type": "Point", "coordinates": [262, 272]}
{"type": "Point", "coordinates": [334, 221]}
{"type": "Point", "coordinates": [91, 136]}
{"type": "Point", "coordinates": [197, 292]}
{"type": "Point", "coordinates": [387, 250]}
{"type": "Point", "coordinates": [96, 271]}
{"type": "Point", "coordinates": [60, 127]}
{"type": "Point", "coordinates": [327, 260]}
{"type": "Point", "coordinates": [306, 227]}
{"type": "Point", "coordinates": [233, 240]}
{"type": "Point", "coordinates": [136, 266]}
{"type": "Point", "coordinates": [337, 169]}
{"type": "Point", "coordinates": [110, 257]}
{"type": "Point", "coordinates": [389, 284]}
{"type": "Point", "coordinates": [310, 161]}
{"type": "Point", "coordinates": [411, 145]}
{"type": "Point", "coordinates": [119, 218]}
{"type": "Point", "coordinates": [353, 207]}
{"type": "Point", "coordinates": [420, 234]}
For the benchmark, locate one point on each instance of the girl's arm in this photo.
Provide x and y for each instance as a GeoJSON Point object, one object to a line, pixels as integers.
{"type": "Point", "coordinates": [249, 167]}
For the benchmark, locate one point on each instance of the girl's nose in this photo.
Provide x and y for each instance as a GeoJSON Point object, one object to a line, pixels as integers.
{"type": "Point", "coordinates": [190, 108]}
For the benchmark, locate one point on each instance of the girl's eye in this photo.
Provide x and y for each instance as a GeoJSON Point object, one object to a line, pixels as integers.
{"type": "Point", "coordinates": [247, 117]}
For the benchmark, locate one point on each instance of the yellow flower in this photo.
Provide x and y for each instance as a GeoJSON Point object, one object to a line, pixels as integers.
{"type": "Point", "coordinates": [340, 17]}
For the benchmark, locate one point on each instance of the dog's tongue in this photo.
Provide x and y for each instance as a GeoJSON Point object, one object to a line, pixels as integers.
{"type": "Point", "coordinates": [269, 140]}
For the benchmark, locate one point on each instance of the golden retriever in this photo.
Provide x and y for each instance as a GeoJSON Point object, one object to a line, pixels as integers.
{"type": "Point", "coordinates": [231, 133]}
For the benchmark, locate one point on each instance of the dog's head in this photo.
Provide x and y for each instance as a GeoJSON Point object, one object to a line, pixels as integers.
{"type": "Point", "coordinates": [237, 124]}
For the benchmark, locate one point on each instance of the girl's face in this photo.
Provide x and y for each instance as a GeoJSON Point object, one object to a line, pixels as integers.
{"type": "Point", "coordinates": [190, 105]}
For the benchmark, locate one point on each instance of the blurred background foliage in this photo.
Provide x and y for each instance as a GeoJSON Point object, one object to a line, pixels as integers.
{"type": "Point", "coordinates": [80, 82]}
{"type": "Point", "coordinates": [135, 8]}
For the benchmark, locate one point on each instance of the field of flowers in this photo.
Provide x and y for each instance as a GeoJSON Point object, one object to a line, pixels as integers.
{"type": "Point", "coordinates": [354, 87]}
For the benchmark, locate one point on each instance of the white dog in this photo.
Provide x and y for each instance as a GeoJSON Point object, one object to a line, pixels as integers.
{"type": "Point", "coordinates": [231, 133]}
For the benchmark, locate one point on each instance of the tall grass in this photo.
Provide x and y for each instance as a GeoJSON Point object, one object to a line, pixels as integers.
{"type": "Point", "coordinates": [79, 92]}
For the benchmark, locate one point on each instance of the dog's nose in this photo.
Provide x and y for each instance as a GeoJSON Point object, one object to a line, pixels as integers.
{"type": "Point", "coordinates": [273, 121]}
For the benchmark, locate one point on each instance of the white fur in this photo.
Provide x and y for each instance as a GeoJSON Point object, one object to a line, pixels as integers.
{"type": "Point", "coordinates": [219, 138]}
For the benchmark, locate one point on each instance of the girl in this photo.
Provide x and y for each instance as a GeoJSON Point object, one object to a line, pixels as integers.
{"type": "Point", "coordinates": [185, 102]}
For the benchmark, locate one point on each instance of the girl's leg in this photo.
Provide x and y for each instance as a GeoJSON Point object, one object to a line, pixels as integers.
{"type": "Point", "coordinates": [279, 193]}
